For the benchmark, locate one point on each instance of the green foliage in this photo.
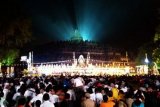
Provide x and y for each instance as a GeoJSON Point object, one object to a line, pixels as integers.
{"type": "Point", "coordinates": [10, 57]}
{"type": "Point", "coordinates": [156, 55]}
{"type": "Point", "coordinates": [156, 50]}
{"type": "Point", "coordinates": [157, 37]}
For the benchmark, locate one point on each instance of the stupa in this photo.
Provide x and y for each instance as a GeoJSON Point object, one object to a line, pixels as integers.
{"type": "Point", "coordinates": [76, 36]}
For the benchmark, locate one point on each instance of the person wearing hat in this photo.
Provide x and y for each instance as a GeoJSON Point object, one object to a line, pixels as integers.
{"type": "Point", "coordinates": [88, 102]}
{"type": "Point", "coordinates": [115, 91]}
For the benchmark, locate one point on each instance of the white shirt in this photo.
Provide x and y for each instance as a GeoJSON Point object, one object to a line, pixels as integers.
{"type": "Point", "coordinates": [124, 89]}
{"type": "Point", "coordinates": [29, 92]}
{"type": "Point", "coordinates": [72, 95]}
{"type": "Point", "coordinates": [5, 91]}
{"type": "Point", "coordinates": [16, 95]}
{"type": "Point", "coordinates": [17, 87]}
{"type": "Point", "coordinates": [38, 97]}
{"type": "Point", "coordinates": [78, 82]}
{"type": "Point", "coordinates": [47, 104]}
{"type": "Point", "coordinates": [157, 83]}
{"type": "Point", "coordinates": [85, 88]}
{"type": "Point", "coordinates": [2, 102]}
{"type": "Point", "coordinates": [93, 96]}
{"type": "Point", "coordinates": [53, 98]}
{"type": "Point", "coordinates": [99, 98]}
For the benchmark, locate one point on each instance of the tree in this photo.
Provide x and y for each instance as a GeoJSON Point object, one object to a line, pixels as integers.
{"type": "Point", "coordinates": [156, 50]}
{"type": "Point", "coordinates": [15, 30]}
{"type": "Point", "coordinates": [16, 34]}
{"type": "Point", "coordinates": [15, 25]}
{"type": "Point", "coordinates": [152, 48]}
{"type": "Point", "coordinates": [10, 56]}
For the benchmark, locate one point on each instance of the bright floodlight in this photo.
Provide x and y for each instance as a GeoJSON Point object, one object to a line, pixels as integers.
{"type": "Point", "coordinates": [146, 60]}
{"type": "Point", "coordinates": [23, 58]}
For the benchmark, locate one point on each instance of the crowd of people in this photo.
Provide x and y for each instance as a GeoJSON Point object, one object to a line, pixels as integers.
{"type": "Point", "coordinates": [80, 91]}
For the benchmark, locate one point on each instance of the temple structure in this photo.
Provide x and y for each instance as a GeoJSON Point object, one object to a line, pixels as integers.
{"type": "Point", "coordinates": [76, 36]}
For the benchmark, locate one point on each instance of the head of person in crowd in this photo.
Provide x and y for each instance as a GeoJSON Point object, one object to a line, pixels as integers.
{"type": "Point", "coordinates": [67, 97]}
{"type": "Point", "coordinates": [129, 94]}
{"type": "Point", "coordinates": [87, 95]}
{"type": "Point", "coordinates": [112, 85]}
{"type": "Point", "coordinates": [31, 85]}
{"type": "Point", "coordinates": [48, 88]}
{"type": "Point", "coordinates": [61, 96]}
{"type": "Point", "coordinates": [139, 94]}
{"type": "Point", "coordinates": [38, 103]}
{"type": "Point", "coordinates": [52, 91]}
{"type": "Point", "coordinates": [98, 90]}
{"type": "Point", "coordinates": [42, 88]}
{"type": "Point", "coordinates": [138, 102]}
{"type": "Point", "coordinates": [6, 85]}
{"type": "Point", "coordinates": [105, 98]}
{"type": "Point", "coordinates": [106, 90]}
{"type": "Point", "coordinates": [103, 91]}
{"type": "Point", "coordinates": [37, 91]}
{"type": "Point", "coordinates": [110, 94]}
{"type": "Point", "coordinates": [121, 95]}
{"type": "Point", "coordinates": [28, 99]}
{"type": "Point", "coordinates": [46, 97]}
{"type": "Point", "coordinates": [90, 90]}
{"type": "Point", "coordinates": [21, 102]}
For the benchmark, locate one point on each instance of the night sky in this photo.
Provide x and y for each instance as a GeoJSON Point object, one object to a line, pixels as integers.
{"type": "Point", "coordinates": [129, 23]}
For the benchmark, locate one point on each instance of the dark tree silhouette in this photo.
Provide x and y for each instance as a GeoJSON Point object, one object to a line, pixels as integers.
{"type": "Point", "coordinates": [15, 30]}
{"type": "Point", "coordinates": [15, 25]}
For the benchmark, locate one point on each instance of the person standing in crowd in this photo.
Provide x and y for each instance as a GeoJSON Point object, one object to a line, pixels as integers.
{"type": "Point", "coordinates": [30, 92]}
{"type": "Point", "coordinates": [6, 89]}
{"type": "Point", "coordinates": [53, 96]}
{"type": "Point", "coordinates": [129, 98]}
{"type": "Point", "coordinates": [99, 96]}
{"type": "Point", "coordinates": [110, 96]}
{"type": "Point", "coordinates": [121, 100]}
{"type": "Point", "coordinates": [114, 91]}
{"type": "Point", "coordinates": [46, 102]}
{"type": "Point", "coordinates": [61, 99]}
{"type": "Point", "coordinates": [138, 102]}
{"type": "Point", "coordinates": [87, 101]}
{"type": "Point", "coordinates": [71, 92]}
{"type": "Point", "coordinates": [38, 103]}
{"type": "Point", "coordinates": [38, 96]}
{"type": "Point", "coordinates": [69, 103]}
{"type": "Point", "coordinates": [16, 95]}
{"type": "Point", "coordinates": [78, 84]}
{"type": "Point", "coordinates": [92, 94]}
{"type": "Point", "coordinates": [107, 103]}
{"type": "Point", "coordinates": [21, 102]}
{"type": "Point", "coordinates": [3, 102]}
